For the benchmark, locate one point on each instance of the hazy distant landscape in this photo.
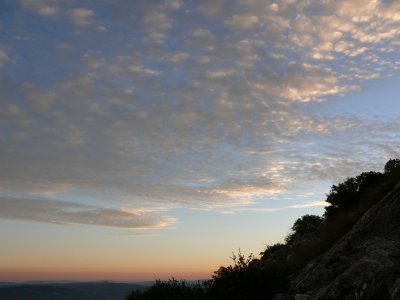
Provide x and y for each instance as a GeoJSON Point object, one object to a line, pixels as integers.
{"type": "Point", "coordinates": [68, 290]}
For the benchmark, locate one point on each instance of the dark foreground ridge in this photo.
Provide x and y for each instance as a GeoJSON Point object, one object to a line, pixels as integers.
{"type": "Point", "coordinates": [351, 252]}
{"type": "Point", "coordinates": [363, 264]}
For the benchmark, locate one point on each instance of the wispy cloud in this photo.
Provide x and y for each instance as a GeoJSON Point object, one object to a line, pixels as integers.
{"type": "Point", "coordinates": [139, 235]}
{"type": "Point", "coordinates": [274, 209]}
{"type": "Point", "coordinates": [66, 213]}
{"type": "Point", "coordinates": [78, 15]}
{"type": "Point", "coordinates": [41, 7]}
{"type": "Point", "coordinates": [81, 16]}
{"type": "Point", "coordinates": [264, 209]}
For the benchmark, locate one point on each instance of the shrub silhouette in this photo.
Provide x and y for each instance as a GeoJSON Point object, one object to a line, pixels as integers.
{"type": "Point", "coordinates": [271, 250]}
{"type": "Point", "coordinates": [393, 165]}
{"type": "Point", "coordinates": [248, 278]}
{"type": "Point", "coordinates": [303, 226]}
{"type": "Point", "coordinates": [351, 191]}
{"type": "Point", "coordinates": [171, 290]}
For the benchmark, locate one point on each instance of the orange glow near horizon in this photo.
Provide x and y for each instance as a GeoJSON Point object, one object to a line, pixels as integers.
{"type": "Point", "coordinates": [30, 275]}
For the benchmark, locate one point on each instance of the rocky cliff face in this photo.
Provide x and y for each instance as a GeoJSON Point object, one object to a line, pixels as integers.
{"type": "Point", "coordinates": [364, 263]}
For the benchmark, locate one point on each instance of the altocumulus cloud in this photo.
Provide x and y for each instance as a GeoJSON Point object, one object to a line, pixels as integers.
{"type": "Point", "coordinates": [148, 104]}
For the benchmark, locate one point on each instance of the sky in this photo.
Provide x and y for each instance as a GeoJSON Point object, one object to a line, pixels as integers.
{"type": "Point", "coordinates": [151, 139]}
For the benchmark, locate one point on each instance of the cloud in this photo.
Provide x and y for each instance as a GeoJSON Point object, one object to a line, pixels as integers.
{"type": "Point", "coordinates": [139, 235]}
{"type": "Point", "coordinates": [175, 4]}
{"type": "Point", "coordinates": [205, 106]}
{"type": "Point", "coordinates": [41, 7]}
{"type": "Point", "coordinates": [145, 71]}
{"type": "Point", "coordinates": [81, 16]}
{"type": "Point", "coordinates": [66, 213]}
{"type": "Point", "coordinates": [275, 209]}
{"type": "Point", "coordinates": [4, 58]}
{"type": "Point", "coordinates": [220, 73]}
{"type": "Point", "coordinates": [243, 21]}
{"type": "Point", "coordinates": [309, 204]}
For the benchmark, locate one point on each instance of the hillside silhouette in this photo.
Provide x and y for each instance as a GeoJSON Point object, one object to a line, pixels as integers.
{"type": "Point", "coordinates": [351, 252]}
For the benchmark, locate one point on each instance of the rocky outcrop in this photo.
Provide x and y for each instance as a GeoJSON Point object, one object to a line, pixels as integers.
{"type": "Point", "coordinates": [364, 263]}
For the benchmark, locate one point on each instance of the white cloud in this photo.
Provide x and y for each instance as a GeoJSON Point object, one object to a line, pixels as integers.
{"type": "Point", "coordinates": [223, 73]}
{"type": "Point", "coordinates": [179, 57]}
{"type": "Point", "coordinates": [274, 7]}
{"type": "Point", "coordinates": [201, 32]}
{"type": "Point", "coordinates": [243, 21]}
{"type": "Point", "coordinates": [175, 4]}
{"type": "Point", "coordinates": [275, 209]}
{"type": "Point", "coordinates": [41, 7]}
{"type": "Point", "coordinates": [4, 58]}
{"type": "Point", "coordinates": [47, 8]}
{"type": "Point", "coordinates": [81, 16]}
{"type": "Point", "coordinates": [143, 70]}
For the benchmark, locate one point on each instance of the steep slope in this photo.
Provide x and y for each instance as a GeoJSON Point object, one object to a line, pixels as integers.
{"type": "Point", "coordinates": [364, 263]}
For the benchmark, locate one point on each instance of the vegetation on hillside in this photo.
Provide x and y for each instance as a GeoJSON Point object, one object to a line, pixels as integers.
{"type": "Point", "coordinates": [260, 278]}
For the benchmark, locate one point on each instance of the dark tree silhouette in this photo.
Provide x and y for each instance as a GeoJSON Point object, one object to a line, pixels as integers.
{"type": "Point", "coordinates": [343, 194]}
{"type": "Point", "coordinates": [366, 180]}
{"type": "Point", "coordinates": [393, 165]}
{"type": "Point", "coordinates": [349, 192]}
{"type": "Point", "coordinates": [271, 250]}
{"type": "Point", "coordinates": [171, 290]}
{"type": "Point", "coordinates": [248, 278]}
{"type": "Point", "coordinates": [307, 224]}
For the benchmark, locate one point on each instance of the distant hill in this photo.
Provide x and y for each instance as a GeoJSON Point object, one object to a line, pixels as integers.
{"type": "Point", "coordinates": [68, 291]}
